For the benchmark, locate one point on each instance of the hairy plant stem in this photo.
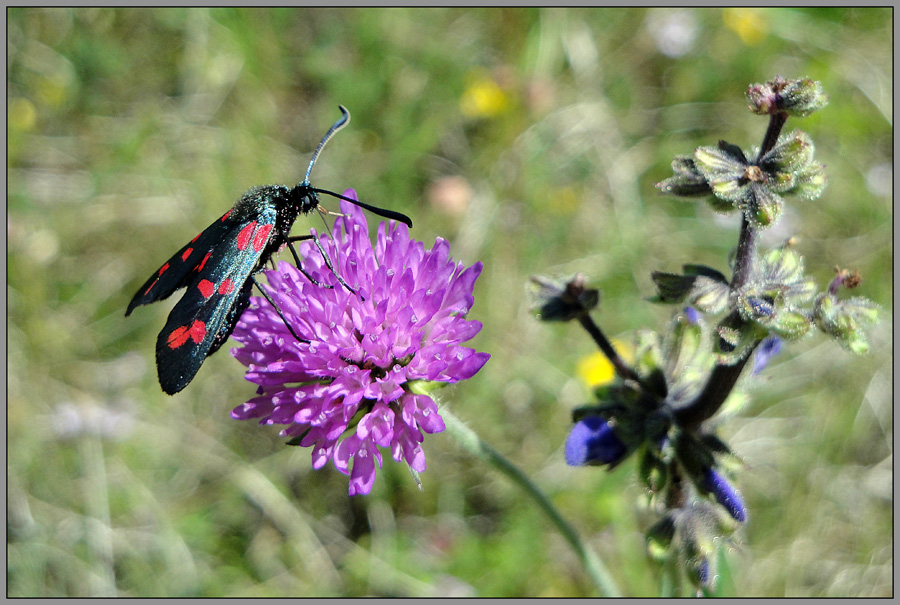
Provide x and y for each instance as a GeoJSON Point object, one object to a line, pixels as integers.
{"type": "Point", "coordinates": [472, 443]}
{"type": "Point", "coordinates": [718, 387]}
{"type": "Point", "coordinates": [723, 377]}
{"type": "Point", "coordinates": [776, 123]}
{"type": "Point", "coordinates": [746, 253]}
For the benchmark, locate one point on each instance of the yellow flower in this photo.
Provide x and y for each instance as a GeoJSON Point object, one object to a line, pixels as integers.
{"type": "Point", "coordinates": [746, 23]}
{"type": "Point", "coordinates": [595, 370]}
{"type": "Point", "coordinates": [482, 98]}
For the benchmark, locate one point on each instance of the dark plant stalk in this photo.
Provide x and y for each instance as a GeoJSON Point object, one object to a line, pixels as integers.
{"type": "Point", "coordinates": [724, 377]}
{"type": "Point", "coordinates": [718, 387]}
{"type": "Point", "coordinates": [746, 252]}
{"type": "Point", "coordinates": [622, 369]}
{"type": "Point", "coordinates": [747, 242]}
{"type": "Point", "coordinates": [776, 123]}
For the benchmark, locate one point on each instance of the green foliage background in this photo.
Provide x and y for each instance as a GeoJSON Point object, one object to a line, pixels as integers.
{"type": "Point", "coordinates": [130, 130]}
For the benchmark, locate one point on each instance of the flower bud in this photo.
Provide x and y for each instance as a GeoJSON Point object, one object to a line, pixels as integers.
{"type": "Point", "coordinates": [844, 319]}
{"type": "Point", "coordinates": [764, 206]}
{"type": "Point", "coordinates": [796, 97]}
{"type": "Point", "coordinates": [724, 167]}
{"type": "Point", "coordinates": [563, 302]}
{"type": "Point", "coordinates": [659, 538]}
{"type": "Point", "coordinates": [687, 181]}
{"type": "Point", "coordinates": [792, 153]}
{"type": "Point", "coordinates": [811, 181]}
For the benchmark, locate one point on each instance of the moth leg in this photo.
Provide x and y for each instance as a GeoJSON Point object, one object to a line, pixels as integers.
{"type": "Point", "coordinates": [324, 257]}
{"type": "Point", "coordinates": [277, 310]}
{"type": "Point", "coordinates": [290, 244]}
{"type": "Point", "coordinates": [330, 266]}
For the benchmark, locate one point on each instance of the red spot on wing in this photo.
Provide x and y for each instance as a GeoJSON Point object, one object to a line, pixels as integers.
{"type": "Point", "coordinates": [243, 238]}
{"type": "Point", "coordinates": [196, 236]}
{"type": "Point", "coordinates": [198, 331]}
{"type": "Point", "coordinates": [187, 253]}
{"type": "Point", "coordinates": [179, 336]}
{"type": "Point", "coordinates": [203, 262]}
{"type": "Point", "coordinates": [206, 287]}
{"type": "Point", "coordinates": [156, 281]}
{"type": "Point", "coordinates": [227, 286]}
{"type": "Point", "coordinates": [261, 237]}
{"type": "Point", "coordinates": [226, 215]}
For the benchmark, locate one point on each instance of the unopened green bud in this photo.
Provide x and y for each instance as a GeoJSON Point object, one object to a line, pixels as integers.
{"type": "Point", "coordinates": [687, 181]}
{"type": "Point", "coordinates": [802, 97]}
{"type": "Point", "coordinates": [684, 348]}
{"type": "Point", "coordinates": [782, 265]}
{"type": "Point", "coordinates": [724, 167]}
{"type": "Point", "coordinates": [789, 325]}
{"type": "Point", "coordinates": [710, 295]}
{"type": "Point", "coordinates": [659, 538]}
{"type": "Point", "coordinates": [764, 206]}
{"type": "Point", "coordinates": [845, 319]}
{"type": "Point", "coordinates": [563, 301]}
{"type": "Point", "coordinates": [811, 182]}
{"type": "Point", "coordinates": [793, 153]}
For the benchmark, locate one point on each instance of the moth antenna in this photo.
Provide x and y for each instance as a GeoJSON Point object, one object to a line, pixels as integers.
{"type": "Point", "coordinates": [382, 212]}
{"type": "Point", "coordinates": [345, 119]}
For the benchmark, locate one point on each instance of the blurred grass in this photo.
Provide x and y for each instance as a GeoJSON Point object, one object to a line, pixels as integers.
{"type": "Point", "coordinates": [531, 139]}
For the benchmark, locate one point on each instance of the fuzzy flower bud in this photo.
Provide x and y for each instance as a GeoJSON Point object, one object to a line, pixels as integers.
{"type": "Point", "coordinates": [564, 302]}
{"type": "Point", "coordinates": [845, 320]}
{"type": "Point", "coordinates": [796, 97]}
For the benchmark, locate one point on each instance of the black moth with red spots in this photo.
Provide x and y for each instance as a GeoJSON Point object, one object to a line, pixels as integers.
{"type": "Point", "coordinates": [217, 268]}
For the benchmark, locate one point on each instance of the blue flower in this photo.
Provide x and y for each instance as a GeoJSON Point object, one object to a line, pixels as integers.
{"type": "Point", "coordinates": [699, 570]}
{"type": "Point", "coordinates": [768, 348]}
{"type": "Point", "coordinates": [693, 316]}
{"type": "Point", "coordinates": [724, 494]}
{"type": "Point", "coordinates": [593, 442]}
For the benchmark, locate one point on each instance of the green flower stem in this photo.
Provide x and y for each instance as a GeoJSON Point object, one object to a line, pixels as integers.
{"type": "Point", "coordinates": [473, 444]}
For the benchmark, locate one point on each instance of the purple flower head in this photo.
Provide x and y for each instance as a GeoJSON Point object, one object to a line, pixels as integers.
{"type": "Point", "coordinates": [351, 389]}
{"type": "Point", "coordinates": [724, 494]}
{"type": "Point", "coordinates": [593, 442]}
